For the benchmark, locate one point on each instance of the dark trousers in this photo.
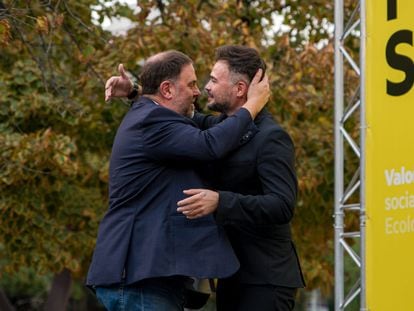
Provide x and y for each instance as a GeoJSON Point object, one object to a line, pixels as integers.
{"type": "Point", "coordinates": [233, 296]}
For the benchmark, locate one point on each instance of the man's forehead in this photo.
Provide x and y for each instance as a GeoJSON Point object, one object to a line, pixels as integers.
{"type": "Point", "coordinates": [220, 68]}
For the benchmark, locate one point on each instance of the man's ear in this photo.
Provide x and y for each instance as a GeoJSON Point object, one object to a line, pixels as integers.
{"type": "Point", "coordinates": [242, 88]}
{"type": "Point", "coordinates": [167, 89]}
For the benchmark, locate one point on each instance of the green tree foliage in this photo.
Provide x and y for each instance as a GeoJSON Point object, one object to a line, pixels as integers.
{"type": "Point", "coordinates": [56, 133]}
{"type": "Point", "coordinates": [56, 130]}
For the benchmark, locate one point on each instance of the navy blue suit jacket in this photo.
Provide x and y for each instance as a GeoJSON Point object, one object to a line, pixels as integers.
{"type": "Point", "coordinates": [153, 159]}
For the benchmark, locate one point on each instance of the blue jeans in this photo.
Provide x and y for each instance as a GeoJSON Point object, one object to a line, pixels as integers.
{"type": "Point", "coordinates": [157, 294]}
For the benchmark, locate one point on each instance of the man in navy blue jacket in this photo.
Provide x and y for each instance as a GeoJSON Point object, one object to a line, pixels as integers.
{"type": "Point", "coordinates": [145, 249]}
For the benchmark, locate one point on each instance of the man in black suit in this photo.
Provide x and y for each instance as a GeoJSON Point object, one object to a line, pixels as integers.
{"type": "Point", "coordinates": [256, 194]}
{"type": "Point", "coordinates": [145, 249]}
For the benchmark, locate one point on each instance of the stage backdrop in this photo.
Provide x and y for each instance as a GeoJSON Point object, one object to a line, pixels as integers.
{"type": "Point", "coordinates": [389, 154]}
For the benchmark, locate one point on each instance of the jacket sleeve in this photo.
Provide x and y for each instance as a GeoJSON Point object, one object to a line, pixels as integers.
{"type": "Point", "coordinates": [205, 121]}
{"type": "Point", "coordinates": [170, 137]}
{"type": "Point", "coordinates": [275, 205]}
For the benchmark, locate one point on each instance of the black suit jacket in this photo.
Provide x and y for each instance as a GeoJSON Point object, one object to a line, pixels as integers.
{"type": "Point", "coordinates": [257, 193]}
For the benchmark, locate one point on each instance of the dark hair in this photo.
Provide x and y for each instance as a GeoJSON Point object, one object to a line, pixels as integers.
{"type": "Point", "coordinates": [160, 67]}
{"type": "Point", "coordinates": [241, 59]}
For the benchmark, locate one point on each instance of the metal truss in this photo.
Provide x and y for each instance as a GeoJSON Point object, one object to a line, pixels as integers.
{"type": "Point", "coordinates": [349, 112]}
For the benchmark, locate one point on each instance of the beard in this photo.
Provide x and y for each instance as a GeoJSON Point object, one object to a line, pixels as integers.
{"type": "Point", "coordinates": [219, 107]}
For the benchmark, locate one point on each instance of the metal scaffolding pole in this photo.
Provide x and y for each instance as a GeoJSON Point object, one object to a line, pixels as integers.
{"type": "Point", "coordinates": [339, 157]}
{"type": "Point", "coordinates": [352, 26]}
{"type": "Point", "coordinates": [362, 220]}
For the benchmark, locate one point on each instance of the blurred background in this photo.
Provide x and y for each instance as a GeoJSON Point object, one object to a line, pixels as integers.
{"type": "Point", "coordinates": [56, 130]}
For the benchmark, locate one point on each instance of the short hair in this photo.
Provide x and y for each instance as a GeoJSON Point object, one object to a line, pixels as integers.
{"type": "Point", "coordinates": [241, 59]}
{"type": "Point", "coordinates": [161, 67]}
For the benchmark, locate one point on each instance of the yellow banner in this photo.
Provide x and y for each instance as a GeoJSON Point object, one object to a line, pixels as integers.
{"type": "Point", "coordinates": [389, 161]}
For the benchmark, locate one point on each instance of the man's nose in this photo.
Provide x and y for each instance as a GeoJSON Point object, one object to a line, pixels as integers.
{"type": "Point", "coordinates": [197, 91]}
{"type": "Point", "coordinates": [207, 87]}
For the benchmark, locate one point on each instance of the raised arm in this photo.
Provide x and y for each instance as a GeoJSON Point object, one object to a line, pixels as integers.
{"type": "Point", "coordinates": [118, 86]}
{"type": "Point", "coordinates": [171, 137]}
{"type": "Point", "coordinates": [258, 94]}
